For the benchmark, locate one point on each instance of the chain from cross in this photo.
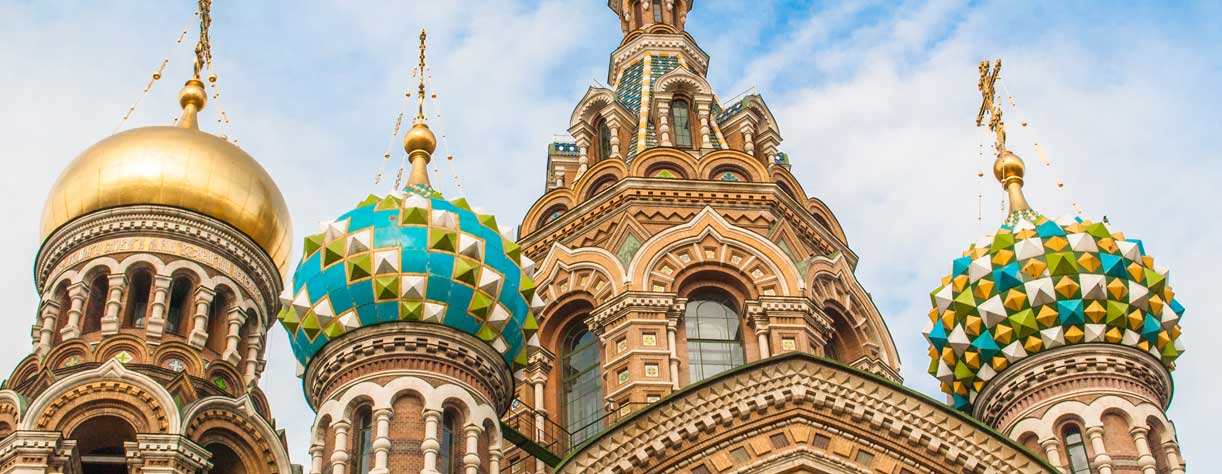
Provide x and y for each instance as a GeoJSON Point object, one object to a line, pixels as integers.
{"type": "Point", "coordinates": [203, 49]}
{"type": "Point", "coordinates": [989, 106]}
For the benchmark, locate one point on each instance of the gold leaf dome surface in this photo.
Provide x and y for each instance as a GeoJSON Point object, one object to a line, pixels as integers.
{"type": "Point", "coordinates": [177, 167]}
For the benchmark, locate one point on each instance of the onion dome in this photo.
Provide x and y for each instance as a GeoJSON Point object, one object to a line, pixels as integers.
{"type": "Point", "coordinates": [177, 166]}
{"type": "Point", "coordinates": [412, 256]}
{"type": "Point", "coordinates": [1038, 284]}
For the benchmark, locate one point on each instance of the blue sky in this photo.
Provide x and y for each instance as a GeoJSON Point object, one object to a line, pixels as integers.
{"type": "Point", "coordinates": [876, 102]}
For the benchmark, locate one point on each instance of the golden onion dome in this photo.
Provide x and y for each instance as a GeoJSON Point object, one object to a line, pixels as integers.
{"type": "Point", "coordinates": [180, 167]}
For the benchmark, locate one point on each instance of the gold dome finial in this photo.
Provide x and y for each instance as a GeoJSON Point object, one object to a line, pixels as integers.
{"type": "Point", "coordinates": [194, 96]}
{"type": "Point", "coordinates": [419, 142]}
{"type": "Point", "coordinates": [1008, 168]}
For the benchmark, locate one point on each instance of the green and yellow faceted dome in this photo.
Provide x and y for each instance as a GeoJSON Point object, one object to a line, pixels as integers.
{"type": "Point", "coordinates": [1039, 284]}
{"type": "Point", "coordinates": [411, 256]}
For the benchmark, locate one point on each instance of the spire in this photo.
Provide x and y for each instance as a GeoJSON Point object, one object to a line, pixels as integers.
{"type": "Point", "coordinates": [193, 96]}
{"type": "Point", "coordinates": [419, 142]}
{"type": "Point", "coordinates": [1008, 168]}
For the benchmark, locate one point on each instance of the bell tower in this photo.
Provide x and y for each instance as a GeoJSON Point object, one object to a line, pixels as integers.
{"type": "Point", "coordinates": [652, 16]}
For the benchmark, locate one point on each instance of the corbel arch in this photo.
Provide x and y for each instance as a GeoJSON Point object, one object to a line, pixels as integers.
{"type": "Point", "coordinates": [681, 80]}
{"type": "Point", "coordinates": [832, 286]}
{"type": "Point", "coordinates": [559, 198]}
{"type": "Point", "coordinates": [590, 182]}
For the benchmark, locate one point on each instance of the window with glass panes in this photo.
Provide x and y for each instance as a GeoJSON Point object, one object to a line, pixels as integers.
{"type": "Point", "coordinates": [1076, 449]}
{"type": "Point", "coordinates": [604, 140]}
{"type": "Point", "coordinates": [714, 336]}
{"type": "Point", "coordinates": [680, 116]}
{"type": "Point", "coordinates": [582, 386]}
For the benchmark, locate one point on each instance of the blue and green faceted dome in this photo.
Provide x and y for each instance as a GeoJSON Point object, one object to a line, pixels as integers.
{"type": "Point", "coordinates": [1039, 284]}
{"type": "Point", "coordinates": [411, 256]}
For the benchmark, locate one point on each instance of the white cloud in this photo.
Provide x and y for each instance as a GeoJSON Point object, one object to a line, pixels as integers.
{"type": "Point", "coordinates": [876, 103]}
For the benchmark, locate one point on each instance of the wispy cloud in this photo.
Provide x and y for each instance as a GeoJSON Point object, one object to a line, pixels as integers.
{"type": "Point", "coordinates": [875, 101]}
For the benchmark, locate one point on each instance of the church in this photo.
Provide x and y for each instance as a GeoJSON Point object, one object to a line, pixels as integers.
{"type": "Point", "coordinates": [673, 302]}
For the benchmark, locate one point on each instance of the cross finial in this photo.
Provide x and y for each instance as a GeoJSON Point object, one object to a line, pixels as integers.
{"type": "Point", "coordinates": [989, 105]}
{"type": "Point", "coordinates": [203, 49]}
{"type": "Point", "coordinates": [420, 91]}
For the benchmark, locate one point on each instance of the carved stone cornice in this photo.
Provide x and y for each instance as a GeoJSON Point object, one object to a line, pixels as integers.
{"type": "Point", "coordinates": [636, 45]}
{"type": "Point", "coordinates": [168, 453]}
{"type": "Point", "coordinates": [248, 264]}
{"type": "Point", "coordinates": [540, 364]}
{"type": "Point", "coordinates": [682, 193]}
{"type": "Point", "coordinates": [432, 348]}
{"type": "Point", "coordinates": [934, 435]}
{"type": "Point", "coordinates": [1083, 369]}
{"type": "Point", "coordinates": [615, 310]}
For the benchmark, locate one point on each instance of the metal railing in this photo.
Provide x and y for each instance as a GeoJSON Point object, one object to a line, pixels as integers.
{"type": "Point", "coordinates": [539, 432]}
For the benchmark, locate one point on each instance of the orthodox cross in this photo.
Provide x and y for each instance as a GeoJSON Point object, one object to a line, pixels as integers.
{"type": "Point", "coordinates": [420, 91]}
{"type": "Point", "coordinates": [203, 49]}
{"type": "Point", "coordinates": [989, 105]}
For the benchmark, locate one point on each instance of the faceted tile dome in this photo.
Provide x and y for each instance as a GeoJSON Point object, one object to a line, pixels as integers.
{"type": "Point", "coordinates": [1039, 284]}
{"type": "Point", "coordinates": [411, 256]}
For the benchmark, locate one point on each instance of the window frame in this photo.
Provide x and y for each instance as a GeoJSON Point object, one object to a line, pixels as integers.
{"type": "Point", "coordinates": [572, 384]}
{"type": "Point", "coordinates": [698, 344]}
{"type": "Point", "coordinates": [686, 126]}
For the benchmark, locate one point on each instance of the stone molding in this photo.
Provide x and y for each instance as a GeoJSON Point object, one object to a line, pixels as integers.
{"type": "Point", "coordinates": [614, 311]}
{"type": "Point", "coordinates": [167, 222]}
{"type": "Point", "coordinates": [638, 44]}
{"type": "Point", "coordinates": [1048, 376]}
{"type": "Point", "coordinates": [859, 403]}
{"type": "Point", "coordinates": [406, 345]}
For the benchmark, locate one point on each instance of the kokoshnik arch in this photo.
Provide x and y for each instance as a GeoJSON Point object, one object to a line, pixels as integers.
{"type": "Point", "coordinates": [674, 302]}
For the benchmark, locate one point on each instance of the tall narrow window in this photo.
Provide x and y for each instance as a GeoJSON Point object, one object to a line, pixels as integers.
{"type": "Point", "coordinates": [95, 305]}
{"type": "Point", "coordinates": [447, 458]}
{"type": "Point", "coordinates": [580, 364]}
{"type": "Point", "coordinates": [604, 140]}
{"type": "Point", "coordinates": [679, 115]}
{"type": "Point", "coordinates": [714, 337]}
{"type": "Point", "coordinates": [138, 299]}
{"type": "Point", "coordinates": [657, 11]}
{"type": "Point", "coordinates": [180, 292]}
{"type": "Point", "coordinates": [362, 443]}
{"type": "Point", "coordinates": [1076, 450]}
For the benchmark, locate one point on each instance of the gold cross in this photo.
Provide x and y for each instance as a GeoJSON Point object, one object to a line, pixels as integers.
{"type": "Point", "coordinates": [203, 49]}
{"type": "Point", "coordinates": [420, 92]}
{"type": "Point", "coordinates": [989, 105]}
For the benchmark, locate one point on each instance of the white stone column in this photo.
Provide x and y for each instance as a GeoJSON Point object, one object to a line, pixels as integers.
{"type": "Point", "coordinates": [339, 456]}
{"type": "Point", "coordinates": [702, 109]}
{"type": "Point", "coordinates": [672, 326]}
{"type": "Point", "coordinates": [1172, 451]}
{"type": "Point", "coordinates": [236, 319]}
{"type": "Point", "coordinates": [1051, 453]}
{"type": "Point", "coordinates": [430, 445]}
{"type": "Point", "coordinates": [77, 293]}
{"type": "Point", "coordinates": [381, 440]}
{"type": "Point", "coordinates": [199, 330]}
{"type": "Point", "coordinates": [494, 458]}
{"type": "Point", "coordinates": [155, 325]}
{"type": "Point", "coordinates": [664, 122]}
{"type": "Point", "coordinates": [254, 342]}
{"type": "Point", "coordinates": [1145, 456]}
{"type": "Point", "coordinates": [471, 459]}
{"type": "Point", "coordinates": [50, 314]}
{"type": "Point", "coordinates": [762, 337]}
{"type": "Point", "coordinates": [748, 140]}
{"type": "Point", "coordinates": [540, 412]}
{"type": "Point", "coordinates": [316, 458]}
{"type": "Point", "coordinates": [114, 301]}
{"type": "Point", "coordinates": [613, 126]}
{"type": "Point", "coordinates": [1102, 461]}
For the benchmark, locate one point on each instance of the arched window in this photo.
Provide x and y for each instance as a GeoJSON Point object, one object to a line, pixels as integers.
{"type": "Point", "coordinates": [218, 324]}
{"type": "Point", "coordinates": [138, 299]}
{"type": "Point", "coordinates": [714, 335]}
{"type": "Point", "coordinates": [100, 444]}
{"type": "Point", "coordinates": [1075, 449]}
{"type": "Point", "coordinates": [657, 11]}
{"type": "Point", "coordinates": [180, 292]}
{"type": "Point", "coordinates": [680, 115]}
{"type": "Point", "coordinates": [580, 363]}
{"type": "Point", "coordinates": [362, 443]}
{"type": "Point", "coordinates": [95, 305]}
{"type": "Point", "coordinates": [447, 458]}
{"type": "Point", "coordinates": [604, 141]}
{"type": "Point", "coordinates": [224, 460]}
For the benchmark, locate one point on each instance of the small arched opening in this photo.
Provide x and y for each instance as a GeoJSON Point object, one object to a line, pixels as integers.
{"type": "Point", "coordinates": [100, 444]}
{"type": "Point", "coordinates": [95, 304]}
{"type": "Point", "coordinates": [139, 290]}
{"type": "Point", "coordinates": [218, 320]}
{"type": "Point", "coordinates": [224, 460]}
{"type": "Point", "coordinates": [180, 296]}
